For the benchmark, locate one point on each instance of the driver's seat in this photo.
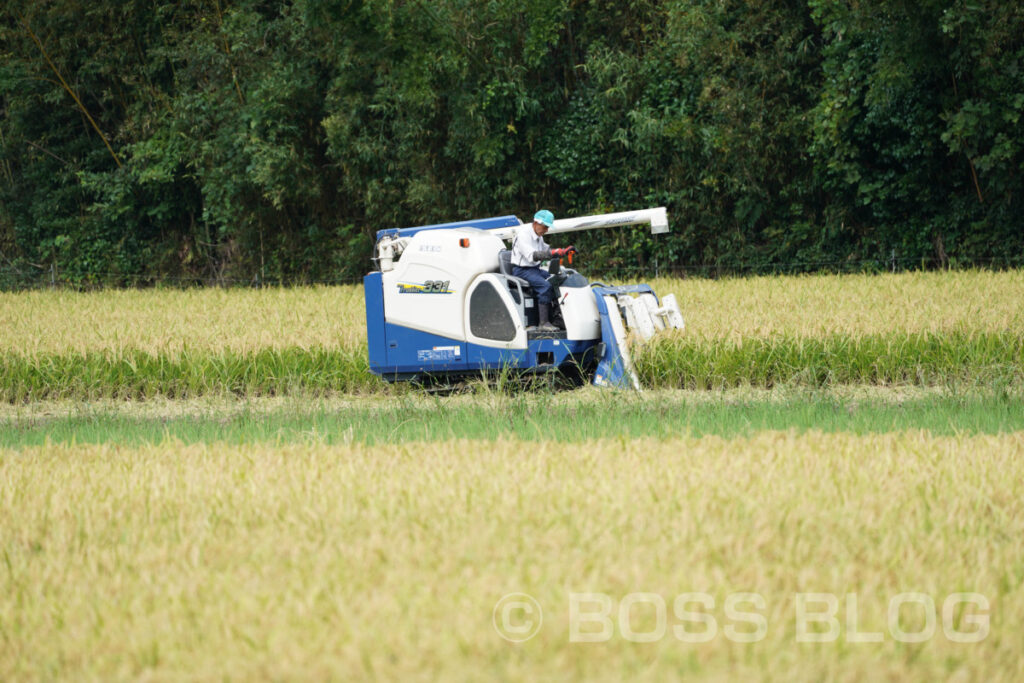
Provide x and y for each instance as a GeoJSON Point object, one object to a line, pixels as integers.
{"type": "Point", "coordinates": [505, 263]}
{"type": "Point", "coordinates": [520, 289]}
{"type": "Point", "coordinates": [505, 268]}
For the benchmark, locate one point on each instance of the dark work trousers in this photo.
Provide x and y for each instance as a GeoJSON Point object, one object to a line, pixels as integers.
{"type": "Point", "coordinates": [538, 279]}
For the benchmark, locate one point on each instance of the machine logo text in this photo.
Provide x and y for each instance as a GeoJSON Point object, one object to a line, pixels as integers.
{"type": "Point", "coordinates": [428, 287]}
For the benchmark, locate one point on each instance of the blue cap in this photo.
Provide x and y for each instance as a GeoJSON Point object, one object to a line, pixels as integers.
{"type": "Point", "coordinates": [544, 216]}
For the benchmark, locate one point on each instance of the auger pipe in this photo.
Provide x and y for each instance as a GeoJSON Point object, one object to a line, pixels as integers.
{"type": "Point", "coordinates": [656, 218]}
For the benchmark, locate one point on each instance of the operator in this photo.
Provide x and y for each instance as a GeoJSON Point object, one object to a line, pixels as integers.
{"type": "Point", "coordinates": [528, 250]}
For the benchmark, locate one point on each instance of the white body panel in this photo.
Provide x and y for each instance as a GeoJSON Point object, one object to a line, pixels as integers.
{"type": "Point", "coordinates": [427, 289]}
{"type": "Point", "coordinates": [579, 311]}
{"type": "Point", "coordinates": [498, 282]}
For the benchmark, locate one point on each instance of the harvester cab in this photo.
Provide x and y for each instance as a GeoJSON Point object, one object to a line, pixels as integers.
{"type": "Point", "coordinates": [444, 302]}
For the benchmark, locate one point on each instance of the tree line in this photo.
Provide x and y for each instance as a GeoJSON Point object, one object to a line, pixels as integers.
{"type": "Point", "coordinates": [255, 141]}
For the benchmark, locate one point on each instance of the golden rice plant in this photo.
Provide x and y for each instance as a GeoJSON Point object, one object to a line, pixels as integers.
{"type": "Point", "coordinates": [221, 562]}
{"type": "Point", "coordinates": [852, 305]}
{"type": "Point", "coordinates": [173, 321]}
{"type": "Point", "coordinates": [919, 328]}
{"type": "Point", "coordinates": [244, 320]}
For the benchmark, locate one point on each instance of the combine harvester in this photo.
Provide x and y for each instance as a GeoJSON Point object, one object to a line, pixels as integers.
{"type": "Point", "coordinates": [444, 304]}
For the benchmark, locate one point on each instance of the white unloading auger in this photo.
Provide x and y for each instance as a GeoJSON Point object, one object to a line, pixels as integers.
{"type": "Point", "coordinates": [656, 218]}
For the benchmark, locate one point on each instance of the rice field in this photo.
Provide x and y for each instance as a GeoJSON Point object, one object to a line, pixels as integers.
{"type": "Point", "coordinates": [922, 328]}
{"type": "Point", "coordinates": [170, 321]}
{"type": "Point", "coordinates": [214, 561]}
{"type": "Point", "coordinates": [822, 483]}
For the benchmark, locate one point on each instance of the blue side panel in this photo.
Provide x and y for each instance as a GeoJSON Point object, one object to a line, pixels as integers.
{"type": "Point", "coordinates": [539, 352]}
{"type": "Point", "coordinates": [486, 358]}
{"type": "Point", "coordinates": [373, 294]}
{"type": "Point", "coordinates": [396, 350]}
{"type": "Point", "coordinates": [481, 223]}
{"type": "Point", "coordinates": [611, 370]}
{"type": "Point", "coordinates": [412, 351]}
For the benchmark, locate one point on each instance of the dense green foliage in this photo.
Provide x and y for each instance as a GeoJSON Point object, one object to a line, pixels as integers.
{"type": "Point", "coordinates": [244, 140]}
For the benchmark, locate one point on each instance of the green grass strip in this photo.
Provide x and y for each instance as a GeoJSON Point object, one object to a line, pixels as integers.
{"type": "Point", "coordinates": [672, 362]}
{"type": "Point", "coordinates": [530, 418]}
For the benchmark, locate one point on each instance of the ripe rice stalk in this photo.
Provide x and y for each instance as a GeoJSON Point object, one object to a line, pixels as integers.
{"type": "Point", "coordinates": [919, 328]}
{"type": "Point", "coordinates": [215, 561]}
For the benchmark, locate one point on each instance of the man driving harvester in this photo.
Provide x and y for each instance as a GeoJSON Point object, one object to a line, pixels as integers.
{"type": "Point", "coordinates": [528, 250]}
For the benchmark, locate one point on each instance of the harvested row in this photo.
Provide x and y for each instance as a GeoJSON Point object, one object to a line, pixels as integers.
{"type": "Point", "coordinates": [487, 415]}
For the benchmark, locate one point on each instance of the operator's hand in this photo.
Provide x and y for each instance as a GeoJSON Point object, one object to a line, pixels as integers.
{"type": "Point", "coordinates": [564, 251]}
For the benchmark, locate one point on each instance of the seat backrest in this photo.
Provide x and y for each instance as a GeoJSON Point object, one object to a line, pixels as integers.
{"type": "Point", "coordinates": [505, 262]}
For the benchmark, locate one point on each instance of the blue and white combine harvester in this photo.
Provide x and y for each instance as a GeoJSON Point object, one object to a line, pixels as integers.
{"type": "Point", "coordinates": [444, 303]}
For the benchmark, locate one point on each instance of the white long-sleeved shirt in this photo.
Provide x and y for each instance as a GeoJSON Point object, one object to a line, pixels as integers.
{"type": "Point", "coordinates": [525, 243]}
